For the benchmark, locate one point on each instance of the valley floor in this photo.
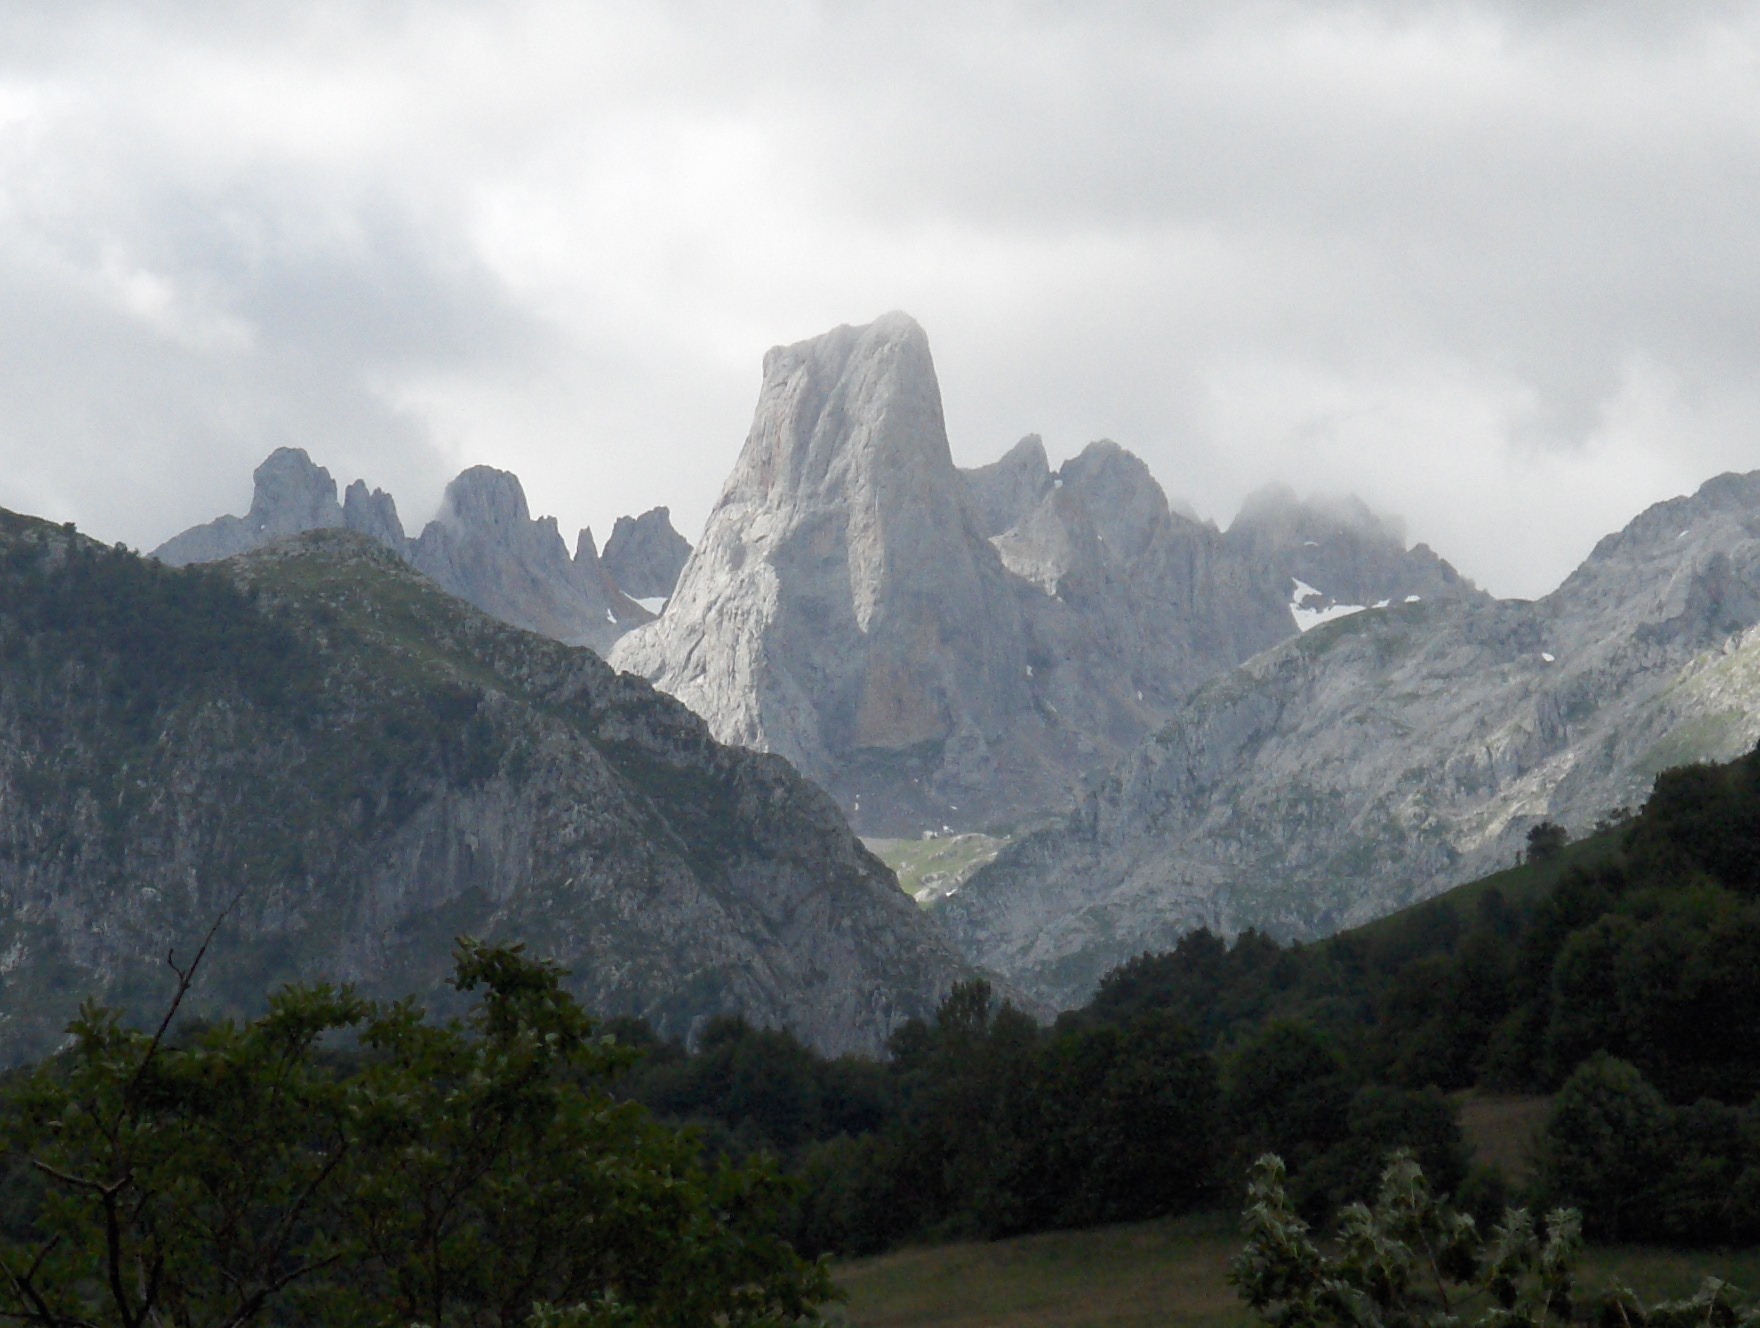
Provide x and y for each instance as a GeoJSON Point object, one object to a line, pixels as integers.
{"type": "Point", "coordinates": [1152, 1273]}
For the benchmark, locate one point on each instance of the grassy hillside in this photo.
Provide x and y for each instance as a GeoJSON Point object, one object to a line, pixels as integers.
{"type": "Point", "coordinates": [931, 869]}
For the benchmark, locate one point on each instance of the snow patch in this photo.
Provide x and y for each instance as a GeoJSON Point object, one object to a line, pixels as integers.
{"type": "Point", "coordinates": [1548, 658]}
{"type": "Point", "coordinates": [1309, 616]}
{"type": "Point", "coordinates": [653, 603]}
{"type": "Point", "coordinates": [1413, 599]}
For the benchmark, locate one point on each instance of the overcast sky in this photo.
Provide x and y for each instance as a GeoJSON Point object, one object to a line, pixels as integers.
{"type": "Point", "coordinates": [1495, 267]}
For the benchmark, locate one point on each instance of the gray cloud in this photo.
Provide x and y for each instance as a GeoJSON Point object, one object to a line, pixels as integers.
{"type": "Point", "coordinates": [1492, 265]}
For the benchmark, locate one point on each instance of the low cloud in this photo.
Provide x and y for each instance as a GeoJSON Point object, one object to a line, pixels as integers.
{"type": "Point", "coordinates": [1490, 265]}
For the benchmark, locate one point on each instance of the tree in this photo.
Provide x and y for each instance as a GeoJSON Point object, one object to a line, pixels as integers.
{"type": "Point", "coordinates": [1606, 1146]}
{"type": "Point", "coordinates": [1546, 841]}
{"type": "Point", "coordinates": [362, 1164]}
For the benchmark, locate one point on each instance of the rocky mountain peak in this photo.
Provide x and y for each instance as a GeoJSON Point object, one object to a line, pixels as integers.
{"type": "Point", "coordinates": [1687, 565]}
{"type": "Point", "coordinates": [1121, 497]}
{"type": "Point", "coordinates": [645, 554]}
{"type": "Point", "coordinates": [485, 547]}
{"type": "Point", "coordinates": [372, 513]}
{"type": "Point", "coordinates": [843, 599]}
{"type": "Point", "coordinates": [1005, 491]}
{"type": "Point", "coordinates": [289, 494]}
{"type": "Point", "coordinates": [1333, 554]}
{"type": "Point", "coordinates": [484, 499]}
{"type": "Point", "coordinates": [858, 408]}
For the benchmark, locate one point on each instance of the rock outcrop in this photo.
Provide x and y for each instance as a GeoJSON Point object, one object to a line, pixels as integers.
{"type": "Point", "coordinates": [1005, 491]}
{"type": "Point", "coordinates": [486, 548]}
{"type": "Point", "coordinates": [645, 555]}
{"type": "Point", "coordinates": [290, 494]}
{"type": "Point", "coordinates": [353, 768]}
{"type": "Point", "coordinates": [843, 607]}
{"type": "Point", "coordinates": [1333, 556]}
{"type": "Point", "coordinates": [1380, 758]}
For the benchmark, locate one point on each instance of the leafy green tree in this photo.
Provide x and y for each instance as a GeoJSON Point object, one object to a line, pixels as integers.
{"type": "Point", "coordinates": [456, 1173]}
{"type": "Point", "coordinates": [1606, 1146]}
{"type": "Point", "coordinates": [1287, 1091]}
{"type": "Point", "coordinates": [1546, 841]}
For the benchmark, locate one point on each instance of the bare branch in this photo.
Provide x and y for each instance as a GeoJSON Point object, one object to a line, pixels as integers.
{"type": "Point", "coordinates": [185, 980]}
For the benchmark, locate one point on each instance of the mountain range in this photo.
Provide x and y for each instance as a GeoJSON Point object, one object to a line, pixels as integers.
{"type": "Point", "coordinates": [346, 768]}
{"type": "Point", "coordinates": [1380, 758]}
{"type": "Point", "coordinates": [947, 648]}
{"type": "Point", "coordinates": [1295, 723]}
{"type": "Point", "coordinates": [483, 546]}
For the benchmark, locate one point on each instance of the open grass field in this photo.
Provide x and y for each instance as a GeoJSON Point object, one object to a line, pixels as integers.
{"type": "Point", "coordinates": [1154, 1273]}
{"type": "Point", "coordinates": [928, 869]}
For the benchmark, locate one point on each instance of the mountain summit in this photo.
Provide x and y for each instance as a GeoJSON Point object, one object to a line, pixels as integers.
{"type": "Point", "coordinates": [937, 646]}
{"type": "Point", "coordinates": [484, 546]}
{"type": "Point", "coordinates": [842, 606]}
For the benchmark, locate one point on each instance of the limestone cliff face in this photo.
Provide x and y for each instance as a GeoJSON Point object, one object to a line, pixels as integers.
{"type": "Point", "coordinates": [486, 548]}
{"type": "Point", "coordinates": [1382, 757]}
{"type": "Point", "coordinates": [645, 554]}
{"type": "Point", "coordinates": [1005, 491]}
{"type": "Point", "coordinates": [843, 607]}
{"type": "Point", "coordinates": [362, 768]}
{"type": "Point", "coordinates": [942, 647]}
{"type": "Point", "coordinates": [1135, 604]}
{"type": "Point", "coordinates": [289, 495]}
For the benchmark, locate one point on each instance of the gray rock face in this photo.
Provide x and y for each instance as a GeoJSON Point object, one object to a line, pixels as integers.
{"type": "Point", "coordinates": [290, 495]}
{"type": "Point", "coordinates": [645, 554]}
{"type": "Point", "coordinates": [1332, 554]}
{"type": "Point", "coordinates": [843, 608]}
{"type": "Point", "coordinates": [1136, 604]}
{"type": "Point", "coordinates": [485, 547]}
{"type": "Point", "coordinates": [1382, 757]}
{"type": "Point", "coordinates": [941, 647]}
{"type": "Point", "coordinates": [418, 772]}
{"type": "Point", "coordinates": [1005, 491]}
{"type": "Point", "coordinates": [373, 515]}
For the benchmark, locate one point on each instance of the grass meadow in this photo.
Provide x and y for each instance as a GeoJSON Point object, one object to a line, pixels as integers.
{"type": "Point", "coordinates": [1174, 1272]}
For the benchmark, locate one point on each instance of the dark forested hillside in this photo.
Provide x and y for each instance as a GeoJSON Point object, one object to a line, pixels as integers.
{"type": "Point", "coordinates": [353, 768]}
{"type": "Point", "coordinates": [1619, 976]}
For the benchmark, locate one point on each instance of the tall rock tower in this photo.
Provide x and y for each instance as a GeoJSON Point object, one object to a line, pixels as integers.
{"type": "Point", "coordinates": [843, 606]}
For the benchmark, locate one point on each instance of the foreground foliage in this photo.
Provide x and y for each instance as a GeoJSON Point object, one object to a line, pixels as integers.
{"type": "Point", "coordinates": [349, 1163]}
{"type": "Point", "coordinates": [1411, 1260]}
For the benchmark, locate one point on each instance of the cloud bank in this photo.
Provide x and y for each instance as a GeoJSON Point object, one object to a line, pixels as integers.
{"type": "Point", "coordinates": [1492, 266]}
